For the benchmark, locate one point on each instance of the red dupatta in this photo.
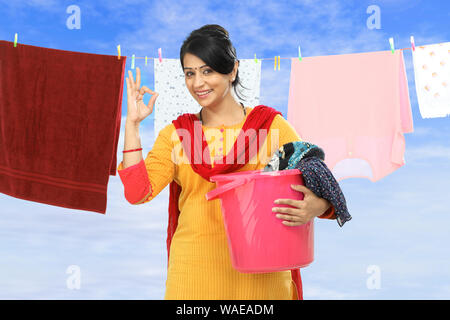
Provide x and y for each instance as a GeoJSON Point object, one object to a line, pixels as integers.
{"type": "Point", "coordinates": [189, 129]}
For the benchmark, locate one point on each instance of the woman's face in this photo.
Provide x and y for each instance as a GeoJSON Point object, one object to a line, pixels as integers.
{"type": "Point", "coordinates": [207, 86]}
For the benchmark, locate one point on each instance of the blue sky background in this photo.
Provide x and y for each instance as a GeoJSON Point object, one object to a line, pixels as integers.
{"type": "Point", "coordinates": [400, 224]}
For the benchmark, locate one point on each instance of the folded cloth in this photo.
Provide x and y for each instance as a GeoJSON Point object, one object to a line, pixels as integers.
{"type": "Point", "coordinates": [308, 158]}
{"type": "Point", "coordinates": [60, 115]}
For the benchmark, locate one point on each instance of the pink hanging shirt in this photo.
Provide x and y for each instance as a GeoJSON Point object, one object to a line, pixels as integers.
{"type": "Point", "coordinates": [356, 108]}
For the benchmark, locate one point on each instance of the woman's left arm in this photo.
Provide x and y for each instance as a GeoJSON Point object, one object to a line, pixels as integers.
{"type": "Point", "coordinates": [311, 206]}
{"type": "Point", "coordinates": [304, 210]}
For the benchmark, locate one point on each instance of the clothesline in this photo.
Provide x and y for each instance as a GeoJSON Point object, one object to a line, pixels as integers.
{"type": "Point", "coordinates": [391, 41]}
{"type": "Point", "coordinates": [257, 58]}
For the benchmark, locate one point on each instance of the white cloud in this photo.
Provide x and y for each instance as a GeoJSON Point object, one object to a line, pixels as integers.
{"type": "Point", "coordinates": [316, 292]}
{"type": "Point", "coordinates": [397, 6]}
{"type": "Point", "coordinates": [427, 152]}
{"type": "Point", "coordinates": [40, 5]}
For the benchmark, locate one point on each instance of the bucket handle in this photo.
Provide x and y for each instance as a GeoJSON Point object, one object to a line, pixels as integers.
{"type": "Point", "coordinates": [213, 194]}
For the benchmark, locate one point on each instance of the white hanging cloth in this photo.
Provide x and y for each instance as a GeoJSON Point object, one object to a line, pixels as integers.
{"type": "Point", "coordinates": [174, 98]}
{"type": "Point", "coordinates": [432, 77]}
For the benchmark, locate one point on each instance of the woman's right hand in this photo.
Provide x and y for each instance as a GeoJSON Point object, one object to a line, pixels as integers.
{"type": "Point", "coordinates": [137, 110]}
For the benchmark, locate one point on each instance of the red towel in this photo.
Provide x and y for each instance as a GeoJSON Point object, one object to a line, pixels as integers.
{"type": "Point", "coordinates": [60, 115]}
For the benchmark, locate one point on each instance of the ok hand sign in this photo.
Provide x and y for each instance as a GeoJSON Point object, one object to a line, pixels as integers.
{"type": "Point", "coordinates": [137, 110]}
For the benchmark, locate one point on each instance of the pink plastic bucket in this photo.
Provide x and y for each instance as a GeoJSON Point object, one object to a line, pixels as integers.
{"type": "Point", "coordinates": [258, 241]}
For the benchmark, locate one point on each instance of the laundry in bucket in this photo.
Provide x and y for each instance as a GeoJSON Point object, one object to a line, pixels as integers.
{"type": "Point", "coordinates": [308, 158]}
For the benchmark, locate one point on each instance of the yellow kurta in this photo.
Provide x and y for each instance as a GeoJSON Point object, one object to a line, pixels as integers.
{"type": "Point", "coordinates": [199, 264]}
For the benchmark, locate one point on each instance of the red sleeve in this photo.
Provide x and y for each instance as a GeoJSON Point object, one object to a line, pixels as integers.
{"type": "Point", "coordinates": [136, 182]}
{"type": "Point", "coordinates": [329, 214]}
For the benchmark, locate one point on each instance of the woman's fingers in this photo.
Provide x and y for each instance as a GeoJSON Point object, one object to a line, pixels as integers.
{"type": "Point", "coordinates": [292, 224]}
{"type": "Point", "coordinates": [128, 87]}
{"type": "Point", "coordinates": [151, 103]}
{"type": "Point", "coordinates": [145, 89]}
{"type": "Point", "coordinates": [130, 92]}
{"type": "Point", "coordinates": [284, 210]}
{"type": "Point", "coordinates": [286, 213]}
{"type": "Point", "coordinates": [137, 94]}
{"type": "Point", "coordinates": [289, 217]}
{"type": "Point", "coordinates": [154, 94]}
{"type": "Point", "coordinates": [291, 220]}
{"type": "Point", "coordinates": [138, 78]}
{"type": "Point", "coordinates": [133, 85]}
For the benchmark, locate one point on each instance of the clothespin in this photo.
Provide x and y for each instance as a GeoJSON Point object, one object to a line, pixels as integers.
{"type": "Point", "coordinates": [299, 54]}
{"type": "Point", "coordinates": [413, 46]}
{"type": "Point", "coordinates": [256, 60]}
{"type": "Point", "coordinates": [132, 61]}
{"type": "Point", "coordinates": [159, 54]}
{"type": "Point", "coordinates": [275, 64]}
{"type": "Point", "coordinates": [391, 41]}
{"type": "Point", "coordinates": [145, 60]}
{"type": "Point", "coordinates": [279, 62]}
{"type": "Point", "coordinates": [15, 40]}
{"type": "Point", "coordinates": [118, 52]}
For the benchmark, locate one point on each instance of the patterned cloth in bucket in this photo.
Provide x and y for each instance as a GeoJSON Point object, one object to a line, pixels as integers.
{"type": "Point", "coordinates": [308, 158]}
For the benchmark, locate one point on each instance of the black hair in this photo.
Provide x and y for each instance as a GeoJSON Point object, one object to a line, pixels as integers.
{"type": "Point", "coordinates": [211, 43]}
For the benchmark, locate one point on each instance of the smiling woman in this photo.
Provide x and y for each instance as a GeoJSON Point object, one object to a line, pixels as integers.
{"type": "Point", "coordinates": [210, 67]}
{"type": "Point", "coordinates": [199, 263]}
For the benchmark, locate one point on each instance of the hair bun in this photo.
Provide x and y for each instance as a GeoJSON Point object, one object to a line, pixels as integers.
{"type": "Point", "coordinates": [214, 29]}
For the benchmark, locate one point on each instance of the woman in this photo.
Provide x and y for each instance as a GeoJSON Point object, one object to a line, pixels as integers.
{"type": "Point", "coordinates": [199, 265]}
